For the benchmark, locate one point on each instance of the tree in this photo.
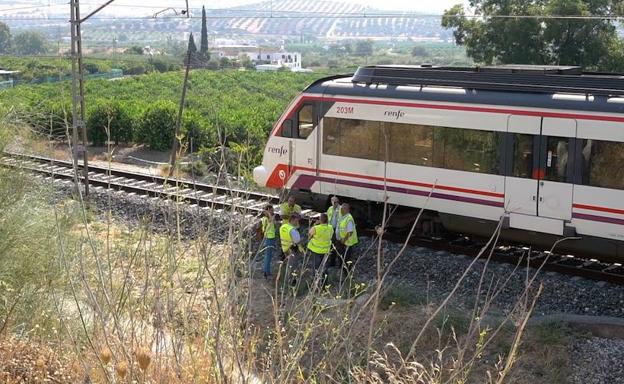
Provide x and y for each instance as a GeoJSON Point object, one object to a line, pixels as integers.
{"type": "Point", "coordinates": [5, 38]}
{"type": "Point", "coordinates": [30, 43]}
{"type": "Point", "coordinates": [420, 51]}
{"type": "Point", "coordinates": [110, 121]}
{"type": "Point", "coordinates": [203, 50]}
{"type": "Point", "coordinates": [191, 45]}
{"type": "Point", "coordinates": [492, 39]}
{"type": "Point", "coordinates": [364, 48]}
{"type": "Point", "coordinates": [157, 126]}
{"type": "Point", "coordinates": [135, 50]}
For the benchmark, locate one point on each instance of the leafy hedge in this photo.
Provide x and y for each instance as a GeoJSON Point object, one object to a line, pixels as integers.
{"type": "Point", "coordinates": [235, 107]}
{"type": "Point", "coordinates": [110, 121]}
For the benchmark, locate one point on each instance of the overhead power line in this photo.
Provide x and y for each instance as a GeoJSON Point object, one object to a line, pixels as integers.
{"type": "Point", "coordinates": [224, 13]}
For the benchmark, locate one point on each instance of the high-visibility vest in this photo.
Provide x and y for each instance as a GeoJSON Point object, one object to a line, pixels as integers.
{"type": "Point", "coordinates": [268, 228]}
{"type": "Point", "coordinates": [285, 237]}
{"type": "Point", "coordinates": [330, 214]}
{"type": "Point", "coordinates": [321, 240]}
{"type": "Point", "coordinates": [342, 230]}
{"type": "Point", "coordinates": [286, 211]}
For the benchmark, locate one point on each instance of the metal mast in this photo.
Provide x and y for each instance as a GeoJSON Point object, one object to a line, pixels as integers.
{"type": "Point", "coordinates": [78, 100]}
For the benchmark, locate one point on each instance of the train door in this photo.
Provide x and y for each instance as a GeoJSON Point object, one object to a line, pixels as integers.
{"type": "Point", "coordinates": [538, 191]}
{"type": "Point", "coordinates": [555, 188]}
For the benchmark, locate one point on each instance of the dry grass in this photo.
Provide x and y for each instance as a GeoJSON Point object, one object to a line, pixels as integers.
{"type": "Point", "coordinates": [131, 305]}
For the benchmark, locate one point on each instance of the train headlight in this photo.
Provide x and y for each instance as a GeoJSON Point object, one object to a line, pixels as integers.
{"type": "Point", "coordinates": [260, 175]}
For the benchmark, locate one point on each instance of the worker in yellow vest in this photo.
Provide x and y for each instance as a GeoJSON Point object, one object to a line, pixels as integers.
{"type": "Point", "coordinates": [333, 217]}
{"type": "Point", "coordinates": [291, 243]}
{"type": "Point", "coordinates": [346, 234]}
{"type": "Point", "coordinates": [320, 240]}
{"type": "Point", "coordinates": [290, 237]}
{"type": "Point", "coordinates": [269, 238]}
{"type": "Point", "coordinates": [289, 207]}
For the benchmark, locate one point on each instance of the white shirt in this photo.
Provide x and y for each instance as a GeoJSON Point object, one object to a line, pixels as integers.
{"type": "Point", "coordinates": [334, 219]}
{"type": "Point", "coordinates": [294, 235]}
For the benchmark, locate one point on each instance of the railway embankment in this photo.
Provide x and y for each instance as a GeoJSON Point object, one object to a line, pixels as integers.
{"type": "Point", "coordinates": [429, 275]}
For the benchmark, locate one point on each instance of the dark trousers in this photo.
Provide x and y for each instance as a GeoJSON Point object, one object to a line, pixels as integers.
{"type": "Point", "coordinates": [346, 256]}
{"type": "Point", "coordinates": [317, 260]}
{"type": "Point", "coordinates": [333, 253]}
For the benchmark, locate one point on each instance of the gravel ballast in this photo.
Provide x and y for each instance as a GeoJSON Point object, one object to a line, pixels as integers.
{"type": "Point", "coordinates": [597, 361]}
{"type": "Point", "coordinates": [429, 273]}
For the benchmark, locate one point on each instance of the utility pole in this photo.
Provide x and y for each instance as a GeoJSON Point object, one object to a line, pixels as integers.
{"type": "Point", "coordinates": [78, 101]}
{"type": "Point", "coordinates": [115, 51]}
{"type": "Point", "coordinates": [174, 146]}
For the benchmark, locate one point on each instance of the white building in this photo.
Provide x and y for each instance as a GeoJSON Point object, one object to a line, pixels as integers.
{"type": "Point", "coordinates": [267, 60]}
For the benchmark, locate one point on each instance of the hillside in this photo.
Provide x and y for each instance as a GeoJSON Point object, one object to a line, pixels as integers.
{"type": "Point", "coordinates": [282, 19]}
{"type": "Point", "coordinates": [322, 19]}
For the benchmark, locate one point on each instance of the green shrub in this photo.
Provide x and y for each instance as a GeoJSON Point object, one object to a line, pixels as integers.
{"type": "Point", "coordinates": [157, 126]}
{"type": "Point", "coordinates": [113, 116]}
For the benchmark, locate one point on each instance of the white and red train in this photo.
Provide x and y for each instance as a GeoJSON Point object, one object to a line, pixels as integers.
{"type": "Point", "coordinates": [540, 147]}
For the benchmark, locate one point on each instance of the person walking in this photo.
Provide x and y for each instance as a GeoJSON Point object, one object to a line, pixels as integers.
{"type": "Point", "coordinates": [346, 234]}
{"type": "Point", "coordinates": [269, 241]}
{"type": "Point", "coordinates": [289, 207]}
{"type": "Point", "coordinates": [320, 240]}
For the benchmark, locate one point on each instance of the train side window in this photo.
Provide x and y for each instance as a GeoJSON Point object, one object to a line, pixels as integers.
{"type": "Point", "coordinates": [467, 150]}
{"type": "Point", "coordinates": [287, 128]}
{"type": "Point", "coordinates": [602, 164]}
{"type": "Point", "coordinates": [523, 156]}
{"type": "Point", "coordinates": [331, 136]}
{"type": "Point", "coordinates": [352, 138]}
{"type": "Point", "coordinates": [305, 121]}
{"type": "Point", "coordinates": [557, 151]}
{"type": "Point", "coordinates": [408, 144]}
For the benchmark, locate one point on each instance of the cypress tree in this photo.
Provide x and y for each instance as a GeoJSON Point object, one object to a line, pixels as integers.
{"type": "Point", "coordinates": [192, 51]}
{"type": "Point", "coordinates": [191, 45]}
{"type": "Point", "coordinates": [204, 37]}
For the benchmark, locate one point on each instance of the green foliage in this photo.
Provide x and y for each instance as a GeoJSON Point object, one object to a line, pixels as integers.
{"type": "Point", "coordinates": [5, 38]}
{"type": "Point", "coordinates": [364, 48]}
{"type": "Point", "coordinates": [109, 119]}
{"type": "Point", "coordinates": [135, 50]}
{"type": "Point", "coordinates": [420, 50]}
{"type": "Point", "coordinates": [157, 126]}
{"type": "Point", "coordinates": [222, 106]}
{"type": "Point", "coordinates": [30, 43]}
{"type": "Point", "coordinates": [552, 333]}
{"type": "Point", "coordinates": [204, 37]}
{"type": "Point", "coordinates": [588, 42]}
{"type": "Point", "coordinates": [29, 261]}
{"type": "Point", "coordinates": [401, 295]}
{"type": "Point", "coordinates": [191, 44]}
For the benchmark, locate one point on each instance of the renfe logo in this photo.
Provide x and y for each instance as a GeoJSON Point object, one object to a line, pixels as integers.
{"type": "Point", "coordinates": [396, 114]}
{"type": "Point", "coordinates": [281, 151]}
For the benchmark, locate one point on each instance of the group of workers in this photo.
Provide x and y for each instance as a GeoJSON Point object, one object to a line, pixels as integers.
{"type": "Point", "coordinates": [331, 240]}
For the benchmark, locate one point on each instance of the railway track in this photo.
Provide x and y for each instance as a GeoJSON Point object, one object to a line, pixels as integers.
{"type": "Point", "coordinates": [252, 203]}
{"type": "Point", "coordinates": [204, 195]}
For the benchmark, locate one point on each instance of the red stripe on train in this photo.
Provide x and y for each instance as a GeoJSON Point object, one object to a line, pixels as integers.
{"type": "Point", "coordinates": [507, 111]}
{"type": "Point", "coordinates": [598, 208]}
{"type": "Point", "coordinates": [275, 181]}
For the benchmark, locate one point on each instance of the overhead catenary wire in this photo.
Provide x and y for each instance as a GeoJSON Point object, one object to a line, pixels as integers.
{"type": "Point", "coordinates": [310, 15]}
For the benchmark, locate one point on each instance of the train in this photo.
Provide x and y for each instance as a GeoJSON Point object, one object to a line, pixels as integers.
{"type": "Point", "coordinates": [538, 149]}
